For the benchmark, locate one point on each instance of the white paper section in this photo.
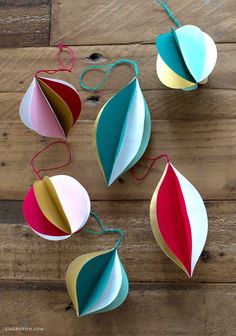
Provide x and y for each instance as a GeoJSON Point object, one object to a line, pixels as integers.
{"type": "Point", "coordinates": [74, 200]}
{"type": "Point", "coordinates": [53, 238]}
{"type": "Point", "coordinates": [197, 217]}
{"type": "Point", "coordinates": [25, 105]}
{"type": "Point", "coordinates": [133, 134]}
{"type": "Point", "coordinates": [211, 56]}
{"type": "Point", "coordinates": [112, 289]}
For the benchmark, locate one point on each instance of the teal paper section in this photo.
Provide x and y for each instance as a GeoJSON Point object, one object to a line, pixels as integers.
{"type": "Point", "coordinates": [169, 51]}
{"type": "Point", "coordinates": [192, 45]}
{"type": "Point", "coordinates": [145, 139]}
{"type": "Point", "coordinates": [124, 290]}
{"type": "Point", "coordinates": [92, 280]}
{"type": "Point", "coordinates": [110, 126]}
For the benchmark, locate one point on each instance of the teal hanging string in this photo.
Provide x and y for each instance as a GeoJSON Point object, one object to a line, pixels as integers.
{"type": "Point", "coordinates": [163, 4]}
{"type": "Point", "coordinates": [104, 229]}
{"type": "Point", "coordinates": [108, 68]}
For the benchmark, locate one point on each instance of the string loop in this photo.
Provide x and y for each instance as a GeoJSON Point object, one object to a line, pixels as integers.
{"type": "Point", "coordinates": [37, 172]}
{"type": "Point", "coordinates": [153, 160]}
{"type": "Point", "coordinates": [104, 229]}
{"type": "Point", "coordinates": [163, 4]}
{"type": "Point", "coordinates": [63, 67]}
{"type": "Point", "coordinates": [109, 68]}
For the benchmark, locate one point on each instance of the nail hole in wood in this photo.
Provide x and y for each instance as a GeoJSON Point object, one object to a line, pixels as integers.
{"type": "Point", "coordinates": [95, 57]}
{"type": "Point", "coordinates": [205, 256]}
{"type": "Point", "coordinates": [92, 100]}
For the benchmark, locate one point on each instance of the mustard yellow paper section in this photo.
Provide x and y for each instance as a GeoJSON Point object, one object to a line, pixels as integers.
{"type": "Point", "coordinates": [50, 205]}
{"type": "Point", "coordinates": [155, 227]}
{"type": "Point", "coordinates": [73, 272]}
{"type": "Point", "coordinates": [169, 78]}
{"type": "Point", "coordinates": [60, 108]}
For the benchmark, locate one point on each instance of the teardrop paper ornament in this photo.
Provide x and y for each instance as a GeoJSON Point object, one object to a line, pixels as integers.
{"type": "Point", "coordinates": [56, 207]}
{"type": "Point", "coordinates": [51, 107]}
{"type": "Point", "coordinates": [179, 219]}
{"type": "Point", "coordinates": [97, 282]}
{"type": "Point", "coordinates": [186, 57]}
{"type": "Point", "coordinates": [122, 128]}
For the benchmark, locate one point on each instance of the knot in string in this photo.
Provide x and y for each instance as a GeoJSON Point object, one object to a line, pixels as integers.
{"type": "Point", "coordinates": [36, 171]}
{"type": "Point", "coordinates": [163, 4]}
{"type": "Point", "coordinates": [104, 229]}
{"type": "Point", "coordinates": [108, 68]}
{"type": "Point", "coordinates": [153, 160]}
{"type": "Point", "coordinates": [63, 67]}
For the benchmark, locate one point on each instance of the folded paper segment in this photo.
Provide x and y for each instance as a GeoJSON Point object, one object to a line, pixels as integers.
{"type": "Point", "coordinates": [186, 57]}
{"type": "Point", "coordinates": [97, 282]}
{"type": "Point", "coordinates": [122, 131]}
{"type": "Point", "coordinates": [56, 207]}
{"type": "Point", "coordinates": [179, 219]}
{"type": "Point", "coordinates": [50, 107]}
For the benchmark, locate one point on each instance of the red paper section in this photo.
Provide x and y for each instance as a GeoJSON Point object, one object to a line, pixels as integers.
{"type": "Point", "coordinates": [36, 219]}
{"type": "Point", "coordinates": [70, 96]}
{"type": "Point", "coordinates": [173, 219]}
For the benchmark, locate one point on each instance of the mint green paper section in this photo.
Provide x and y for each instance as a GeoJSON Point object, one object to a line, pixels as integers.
{"type": "Point", "coordinates": [110, 127]}
{"type": "Point", "coordinates": [92, 280]}
{"type": "Point", "coordinates": [169, 50]}
{"type": "Point", "coordinates": [146, 137]}
{"type": "Point", "coordinates": [124, 290]}
{"type": "Point", "coordinates": [192, 45]}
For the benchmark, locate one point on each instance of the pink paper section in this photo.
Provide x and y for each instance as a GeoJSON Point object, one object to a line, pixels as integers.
{"type": "Point", "coordinates": [43, 118]}
{"type": "Point", "coordinates": [74, 200]}
{"type": "Point", "coordinates": [36, 219]}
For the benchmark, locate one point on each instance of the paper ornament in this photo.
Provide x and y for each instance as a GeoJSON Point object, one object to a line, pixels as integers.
{"type": "Point", "coordinates": [56, 207]}
{"type": "Point", "coordinates": [51, 107]}
{"type": "Point", "coordinates": [186, 56]}
{"type": "Point", "coordinates": [97, 282]}
{"type": "Point", "coordinates": [122, 128]}
{"type": "Point", "coordinates": [179, 219]}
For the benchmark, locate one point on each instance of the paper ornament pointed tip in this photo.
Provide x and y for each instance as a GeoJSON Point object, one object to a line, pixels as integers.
{"type": "Point", "coordinates": [56, 207]}
{"type": "Point", "coordinates": [50, 107]}
{"type": "Point", "coordinates": [186, 57]}
{"type": "Point", "coordinates": [97, 282]}
{"type": "Point", "coordinates": [179, 219]}
{"type": "Point", "coordinates": [122, 131]}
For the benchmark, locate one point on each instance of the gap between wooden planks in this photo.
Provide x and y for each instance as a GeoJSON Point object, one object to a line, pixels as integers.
{"type": "Point", "coordinates": [205, 152]}
{"type": "Point", "coordinates": [179, 309]}
{"type": "Point", "coordinates": [25, 256]}
{"type": "Point", "coordinates": [17, 71]}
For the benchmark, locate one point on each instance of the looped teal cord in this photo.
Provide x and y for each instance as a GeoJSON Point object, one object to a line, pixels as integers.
{"type": "Point", "coordinates": [163, 4]}
{"type": "Point", "coordinates": [105, 230]}
{"type": "Point", "coordinates": [109, 68]}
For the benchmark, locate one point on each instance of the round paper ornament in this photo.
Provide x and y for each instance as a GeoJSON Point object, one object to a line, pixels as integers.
{"type": "Point", "coordinates": [186, 56]}
{"type": "Point", "coordinates": [123, 126]}
{"type": "Point", "coordinates": [56, 207]}
{"type": "Point", "coordinates": [51, 107]}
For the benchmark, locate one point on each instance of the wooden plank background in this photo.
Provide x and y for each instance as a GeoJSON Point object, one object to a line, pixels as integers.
{"type": "Point", "coordinates": [197, 129]}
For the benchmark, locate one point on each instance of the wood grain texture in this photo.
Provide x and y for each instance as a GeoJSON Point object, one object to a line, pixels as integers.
{"type": "Point", "coordinates": [25, 256]}
{"type": "Point", "coordinates": [24, 23]}
{"type": "Point", "coordinates": [204, 151]}
{"type": "Point", "coordinates": [18, 70]}
{"type": "Point", "coordinates": [117, 22]}
{"type": "Point", "coordinates": [166, 309]}
{"type": "Point", "coordinates": [163, 104]}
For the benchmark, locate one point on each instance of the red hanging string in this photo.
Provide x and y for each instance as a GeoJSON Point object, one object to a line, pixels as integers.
{"type": "Point", "coordinates": [63, 67]}
{"type": "Point", "coordinates": [153, 160]}
{"type": "Point", "coordinates": [37, 172]}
